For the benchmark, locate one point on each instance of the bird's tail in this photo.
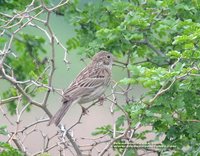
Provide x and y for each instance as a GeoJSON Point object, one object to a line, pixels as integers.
{"type": "Point", "coordinates": [59, 114]}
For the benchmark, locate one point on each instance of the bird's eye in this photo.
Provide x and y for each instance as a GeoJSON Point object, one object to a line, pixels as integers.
{"type": "Point", "coordinates": [108, 56]}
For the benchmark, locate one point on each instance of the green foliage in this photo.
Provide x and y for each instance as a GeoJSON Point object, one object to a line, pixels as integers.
{"type": "Point", "coordinates": [13, 4]}
{"type": "Point", "coordinates": [165, 35]}
{"type": "Point", "coordinates": [103, 130]}
{"type": "Point", "coordinates": [12, 92]}
{"type": "Point", "coordinates": [119, 146]}
{"type": "Point", "coordinates": [16, 5]}
{"type": "Point", "coordinates": [7, 150]}
{"type": "Point", "coordinates": [130, 152]}
{"type": "Point", "coordinates": [29, 50]}
{"type": "Point", "coordinates": [44, 154]}
{"type": "Point", "coordinates": [3, 130]}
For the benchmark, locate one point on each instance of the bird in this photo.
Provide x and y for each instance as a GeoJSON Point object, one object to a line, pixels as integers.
{"type": "Point", "coordinates": [88, 86]}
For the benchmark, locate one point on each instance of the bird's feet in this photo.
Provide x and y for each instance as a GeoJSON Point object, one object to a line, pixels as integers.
{"type": "Point", "coordinates": [84, 110]}
{"type": "Point", "coordinates": [101, 100]}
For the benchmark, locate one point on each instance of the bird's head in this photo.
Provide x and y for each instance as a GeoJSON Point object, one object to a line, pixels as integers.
{"type": "Point", "coordinates": [103, 58]}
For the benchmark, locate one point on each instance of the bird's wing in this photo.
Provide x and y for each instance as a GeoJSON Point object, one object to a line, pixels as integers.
{"type": "Point", "coordinates": [88, 79]}
{"type": "Point", "coordinates": [90, 74]}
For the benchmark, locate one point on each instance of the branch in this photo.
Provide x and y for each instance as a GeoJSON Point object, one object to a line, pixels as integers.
{"type": "Point", "coordinates": [147, 43]}
{"type": "Point", "coordinates": [8, 100]}
{"type": "Point", "coordinates": [193, 120]}
{"type": "Point", "coordinates": [19, 146]}
{"type": "Point", "coordinates": [111, 143]}
{"type": "Point", "coordinates": [114, 101]}
{"type": "Point", "coordinates": [66, 133]}
{"type": "Point", "coordinates": [33, 124]}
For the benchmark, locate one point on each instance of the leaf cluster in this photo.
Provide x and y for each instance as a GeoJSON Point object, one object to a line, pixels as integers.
{"type": "Point", "coordinates": [7, 150]}
{"type": "Point", "coordinates": [27, 63]}
{"type": "Point", "coordinates": [165, 36]}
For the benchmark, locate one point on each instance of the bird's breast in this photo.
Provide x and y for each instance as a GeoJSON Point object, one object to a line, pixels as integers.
{"type": "Point", "coordinates": [93, 95]}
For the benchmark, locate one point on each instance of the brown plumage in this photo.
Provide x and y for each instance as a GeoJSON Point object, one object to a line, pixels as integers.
{"type": "Point", "coordinates": [89, 85]}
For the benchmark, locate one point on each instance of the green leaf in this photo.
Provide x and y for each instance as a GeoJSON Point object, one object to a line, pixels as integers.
{"type": "Point", "coordinates": [127, 81]}
{"type": "Point", "coordinates": [120, 121]}
{"type": "Point", "coordinates": [3, 130]}
{"type": "Point", "coordinates": [8, 150]}
{"type": "Point", "coordinates": [102, 130]}
{"type": "Point", "coordinates": [130, 152]}
{"type": "Point", "coordinates": [174, 54]}
{"type": "Point", "coordinates": [136, 70]}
